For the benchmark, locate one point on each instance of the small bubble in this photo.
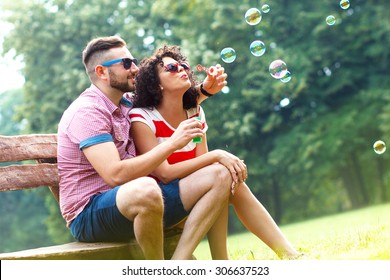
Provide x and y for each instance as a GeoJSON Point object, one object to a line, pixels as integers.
{"type": "Point", "coordinates": [284, 102]}
{"type": "Point", "coordinates": [228, 55]}
{"type": "Point", "coordinates": [344, 4]}
{"type": "Point", "coordinates": [257, 48]}
{"type": "Point", "coordinates": [265, 8]}
{"type": "Point", "coordinates": [225, 90]}
{"type": "Point", "coordinates": [253, 16]}
{"type": "Point", "coordinates": [278, 69]}
{"type": "Point", "coordinates": [330, 20]}
{"type": "Point", "coordinates": [379, 147]}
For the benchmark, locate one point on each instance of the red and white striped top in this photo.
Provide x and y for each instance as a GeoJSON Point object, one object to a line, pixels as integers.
{"type": "Point", "coordinates": [163, 130]}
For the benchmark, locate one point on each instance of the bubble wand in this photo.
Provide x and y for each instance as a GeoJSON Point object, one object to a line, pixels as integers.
{"type": "Point", "coordinates": [211, 71]}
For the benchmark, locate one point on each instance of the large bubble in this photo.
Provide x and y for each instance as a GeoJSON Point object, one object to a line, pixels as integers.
{"type": "Point", "coordinates": [253, 16]}
{"type": "Point", "coordinates": [278, 69]}
{"type": "Point", "coordinates": [257, 48]}
{"type": "Point", "coordinates": [228, 55]}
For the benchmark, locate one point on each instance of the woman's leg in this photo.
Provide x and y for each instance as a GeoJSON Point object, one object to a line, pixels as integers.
{"type": "Point", "coordinates": [256, 219]}
{"type": "Point", "coordinates": [217, 237]}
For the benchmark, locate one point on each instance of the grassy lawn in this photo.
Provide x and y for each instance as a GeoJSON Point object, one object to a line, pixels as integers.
{"type": "Point", "coordinates": [356, 235]}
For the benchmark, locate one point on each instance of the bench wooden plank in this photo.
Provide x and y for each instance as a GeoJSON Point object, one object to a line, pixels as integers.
{"type": "Point", "coordinates": [94, 251]}
{"type": "Point", "coordinates": [26, 147]}
{"type": "Point", "coordinates": [28, 176]}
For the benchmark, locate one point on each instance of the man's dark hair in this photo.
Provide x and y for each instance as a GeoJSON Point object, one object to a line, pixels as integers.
{"type": "Point", "coordinates": [96, 48]}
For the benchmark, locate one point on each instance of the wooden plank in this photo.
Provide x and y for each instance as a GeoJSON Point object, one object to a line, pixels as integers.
{"type": "Point", "coordinates": [79, 251]}
{"type": "Point", "coordinates": [92, 251]}
{"type": "Point", "coordinates": [27, 147]}
{"type": "Point", "coordinates": [20, 177]}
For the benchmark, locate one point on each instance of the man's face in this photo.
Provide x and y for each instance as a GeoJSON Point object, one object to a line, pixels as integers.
{"type": "Point", "coordinates": [121, 78]}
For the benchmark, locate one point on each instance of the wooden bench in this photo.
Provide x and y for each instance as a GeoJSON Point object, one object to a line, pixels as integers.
{"type": "Point", "coordinates": [40, 150]}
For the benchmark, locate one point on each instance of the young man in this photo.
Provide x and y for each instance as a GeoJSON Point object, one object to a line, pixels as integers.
{"type": "Point", "coordinates": [104, 194]}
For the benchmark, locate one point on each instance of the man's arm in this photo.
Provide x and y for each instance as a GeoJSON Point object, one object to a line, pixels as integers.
{"type": "Point", "coordinates": [105, 158]}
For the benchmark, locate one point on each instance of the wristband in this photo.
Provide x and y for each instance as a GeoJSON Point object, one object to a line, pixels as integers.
{"type": "Point", "coordinates": [204, 92]}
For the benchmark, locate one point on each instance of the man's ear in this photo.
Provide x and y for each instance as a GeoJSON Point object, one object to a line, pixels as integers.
{"type": "Point", "coordinates": [101, 72]}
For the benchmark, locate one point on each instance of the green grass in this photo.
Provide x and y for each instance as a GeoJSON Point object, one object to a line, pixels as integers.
{"type": "Point", "coordinates": [356, 235]}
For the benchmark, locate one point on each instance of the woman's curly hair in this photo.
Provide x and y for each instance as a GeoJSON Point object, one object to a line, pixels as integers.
{"type": "Point", "coordinates": [148, 92]}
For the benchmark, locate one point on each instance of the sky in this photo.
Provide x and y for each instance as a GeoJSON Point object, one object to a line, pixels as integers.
{"type": "Point", "coordinates": [11, 77]}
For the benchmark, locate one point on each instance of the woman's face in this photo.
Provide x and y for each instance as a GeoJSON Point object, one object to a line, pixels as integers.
{"type": "Point", "coordinates": [174, 76]}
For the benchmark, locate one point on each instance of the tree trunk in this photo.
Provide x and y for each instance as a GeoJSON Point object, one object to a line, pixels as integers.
{"type": "Point", "coordinates": [382, 186]}
{"type": "Point", "coordinates": [349, 185]}
{"type": "Point", "coordinates": [359, 179]}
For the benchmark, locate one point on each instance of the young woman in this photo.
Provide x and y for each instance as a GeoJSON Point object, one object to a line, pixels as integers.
{"type": "Point", "coordinates": [165, 96]}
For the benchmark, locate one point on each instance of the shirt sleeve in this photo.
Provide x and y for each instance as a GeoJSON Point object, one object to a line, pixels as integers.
{"type": "Point", "coordinates": [142, 115]}
{"type": "Point", "coordinates": [91, 124]}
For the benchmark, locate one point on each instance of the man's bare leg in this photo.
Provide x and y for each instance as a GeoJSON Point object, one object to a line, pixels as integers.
{"type": "Point", "coordinates": [206, 194]}
{"type": "Point", "coordinates": [141, 201]}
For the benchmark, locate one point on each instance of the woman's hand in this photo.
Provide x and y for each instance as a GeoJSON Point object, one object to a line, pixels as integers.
{"type": "Point", "coordinates": [185, 132]}
{"type": "Point", "coordinates": [236, 166]}
{"type": "Point", "coordinates": [215, 80]}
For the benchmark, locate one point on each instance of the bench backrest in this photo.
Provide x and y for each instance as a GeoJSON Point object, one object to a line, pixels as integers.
{"type": "Point", "coordinates": [40, 150]}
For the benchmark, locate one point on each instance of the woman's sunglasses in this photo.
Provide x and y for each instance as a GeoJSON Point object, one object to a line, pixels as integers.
{"type": "Point", "coordinates": [174, 67]}
{"type": "Point", "coordinates": [126, 62]}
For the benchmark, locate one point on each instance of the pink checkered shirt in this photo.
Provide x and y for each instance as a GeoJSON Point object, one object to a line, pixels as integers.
{"type": "Point", "coordinates": [91, 119]}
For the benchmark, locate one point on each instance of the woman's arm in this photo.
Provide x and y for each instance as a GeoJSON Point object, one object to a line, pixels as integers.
{"type": "Point", "coordinates": [145, 140]}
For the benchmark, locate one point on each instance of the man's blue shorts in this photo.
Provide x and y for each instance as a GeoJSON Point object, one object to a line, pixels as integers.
{"type": "Point", "coordinates": [101, 221]}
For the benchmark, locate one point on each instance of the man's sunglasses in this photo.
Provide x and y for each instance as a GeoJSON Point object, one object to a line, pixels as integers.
{"type": "Point", "coordinates": [127, 62]}
{"type": "Point", "coordinates": [174, 67]}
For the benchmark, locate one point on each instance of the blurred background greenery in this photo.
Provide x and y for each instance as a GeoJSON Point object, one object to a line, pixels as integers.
{"type": "Point", "coordinates": [308, 157]}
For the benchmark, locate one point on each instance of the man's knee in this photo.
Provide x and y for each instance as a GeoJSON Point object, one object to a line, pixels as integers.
{"type": "Point", "coordinates": [146, 192]}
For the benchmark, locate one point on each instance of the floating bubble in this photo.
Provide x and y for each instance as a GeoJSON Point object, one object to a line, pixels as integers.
{"type": "Point", "coordinates": [284, 102]}
{"type": "Point", "coordinates": [330, 20]}
{"type": "Point", "coordinates": [257, 48]}
{"type": "Point", "coordinates": [228, 55]}
{"type": "Point", "coordinates": [278, 69]}
{"type": "Point", "coordinates": [225, 90]}
{"type": "Point", "coordinates": [286, 78]}
{"type": "Point", "coordinates": [253, 16]}
{"type": "Point", "coordinates": [379, 147]}
{"type": "Point", "coordinates": [265, 8]}
{"type": "Point", "coordinates": [344, 4]}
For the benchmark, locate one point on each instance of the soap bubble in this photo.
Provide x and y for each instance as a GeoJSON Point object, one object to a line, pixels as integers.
{"type": "Point", "coordinates": [344, 4]}
{"type": "Point", "coordinates": [284, 102]}
{"type": "Point", "coordinates": [228, 55]}
{"type": "Point", "coordinates": [257, 48]}
{"type": "Point", "coordinates": [253, 16]}
{"type": "Point", "coordinates": [278, 69]}
{"type": "Point", "coordinates": [379, 147]}
{"type": "Point", "coordinates": [330, 20]}
{"type": "Point", "coordinates": [265, 8]}
{"type": "Point", "coordinates": [286, 78]}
